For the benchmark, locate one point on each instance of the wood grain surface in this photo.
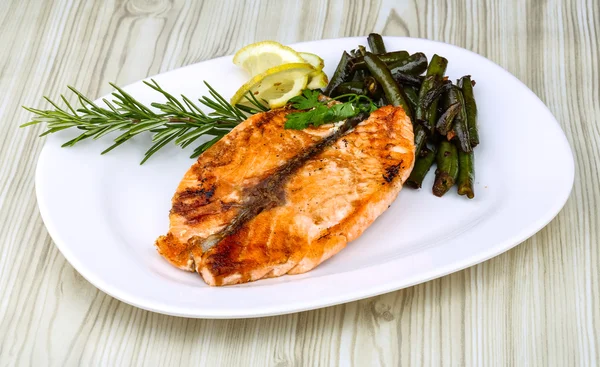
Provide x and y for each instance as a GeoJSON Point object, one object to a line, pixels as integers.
{"type": "Point", "coordinates": [538, 304]}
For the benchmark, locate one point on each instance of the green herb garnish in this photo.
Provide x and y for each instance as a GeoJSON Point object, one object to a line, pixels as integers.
{"type": "Point", "coordinates": [181, 122]}
{"type": "Point", "coordinates": [319, 113]}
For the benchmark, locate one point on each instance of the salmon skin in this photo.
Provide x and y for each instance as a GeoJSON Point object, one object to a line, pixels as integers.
{"type": "Point", "coordinates": [265, 201]}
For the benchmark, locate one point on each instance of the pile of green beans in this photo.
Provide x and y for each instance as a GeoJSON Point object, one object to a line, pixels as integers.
{"type": "Point", "coordinates": [444, 114]}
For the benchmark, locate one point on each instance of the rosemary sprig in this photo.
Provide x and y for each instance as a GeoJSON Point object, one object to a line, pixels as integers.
{"type": "Point", "coordinates": [182, 122]}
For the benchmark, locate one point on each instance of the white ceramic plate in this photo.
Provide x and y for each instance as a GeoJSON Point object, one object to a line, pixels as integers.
{"type": "Point", "coordinates": [104, 212]}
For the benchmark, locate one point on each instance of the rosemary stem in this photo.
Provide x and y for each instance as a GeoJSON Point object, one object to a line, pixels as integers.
{"type": "Point", "coordinates": [171, 121]}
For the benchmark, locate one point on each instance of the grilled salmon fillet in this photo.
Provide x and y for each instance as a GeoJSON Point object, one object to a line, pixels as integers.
{"type": "Point", "coordinates": [265, 201]}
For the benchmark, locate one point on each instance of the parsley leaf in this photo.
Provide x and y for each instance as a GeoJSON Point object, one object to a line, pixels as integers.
{"type": "Point", "coordinates": [301, 120]}
{"type": "Point", "coordinates": [320, 113]}
{"type": "Point", "coordinates": [307, 100]}
{"type": "Point", "coordinates": [343, 111]}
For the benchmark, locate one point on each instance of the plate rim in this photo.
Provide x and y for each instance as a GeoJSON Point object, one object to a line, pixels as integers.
{"type": "Point", "coordinates": [384, 287]}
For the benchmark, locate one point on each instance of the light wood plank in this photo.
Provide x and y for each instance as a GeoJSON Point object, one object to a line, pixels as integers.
{"type": "Point", "coordinates": [538, 304]}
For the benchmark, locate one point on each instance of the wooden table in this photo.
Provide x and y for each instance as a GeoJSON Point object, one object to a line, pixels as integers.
{"type": "Point", "coordinates": [538, 304]}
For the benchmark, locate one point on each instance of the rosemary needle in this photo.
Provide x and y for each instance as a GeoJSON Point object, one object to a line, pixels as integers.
{"type": "Point", "coordinates": [182, 122]}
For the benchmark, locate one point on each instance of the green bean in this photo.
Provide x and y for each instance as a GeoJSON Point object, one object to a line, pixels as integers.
{"type": "Point", "coordinates": [422, 165]}
{"type": "Point", "coordinates": [342, 74]}
{"type": "Point", "coordinates": [376, 43]}
{"type": "Point", "coordinates": [420, 137]}
{"type": "Point", "coordinates": [430, 103]}
{"type": "Point", "coordinates": [435, 93]}
{"type": "Point", "coordinates": [447, 168]}
{"type": "Point", "coordinates": [407, 79]}
{"type": "Point", "coordinates": [428, 84]}
{"type": "Point", "coordinates": [359, 75]}
{"type": "Point", "coordinates": [432, 116]}
{"type": "Point", "coordinates": [372, 87]}
{"type": "Point", "coordinates": [412, 97]}
{"type": "Point", "coordinates": [391, 89]}
{"type": "Point", "coordinates": [367, 87]}
{"type": "Point", "coordinates": [466, 85]}
{"type": "Point", "coordinates": [437, 66]}
{"type": "Point", "coordinates": [388, 58]}
{"type": "Point", "coordinates": [435, 73]}
{"type": "Point", "coordinates": [444, 123]}
{"type": "Point", "coordinates": [448, 99]}
{"type": "Point", "coordinates": [461, 130]}
{"type": "Point", "coordinates": [415, 64]}
{"type": "Point", "coordinates": [466, 174]}
{"type": "Point", "coordinates": [354, 87]}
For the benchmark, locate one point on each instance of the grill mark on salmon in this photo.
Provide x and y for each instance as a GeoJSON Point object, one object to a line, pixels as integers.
{"type": "Point", "coordinates": [265, 201]}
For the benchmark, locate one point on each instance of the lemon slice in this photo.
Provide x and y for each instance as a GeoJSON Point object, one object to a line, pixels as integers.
{"type": "Point", "coordinates": [318, 80]}
{"type": "Point", "coordinates": [314, 60]}
{"type": "Point", "coordinates": [276, 85]}
{"type": "Point", "coordinates": [259, 57]}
